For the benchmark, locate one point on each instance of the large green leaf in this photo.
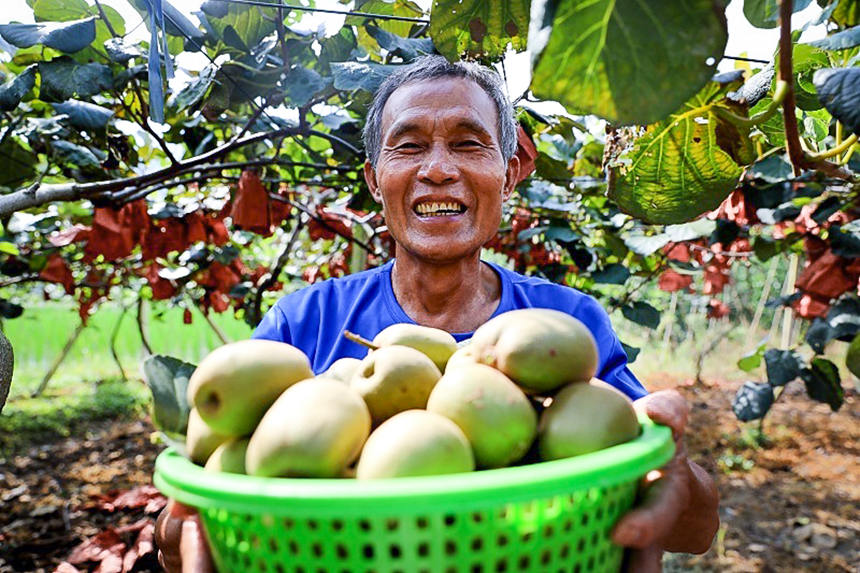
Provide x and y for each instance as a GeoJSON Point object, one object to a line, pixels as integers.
{"type": "Point", "coordinates": [19, 165]}
{"type": "Point", "coordinates": [404, 8]}
{"type": "Point", "coordinates": [302, 84]}
{"type": "Point", "coordinates": [167, 378]}
{"type": "Point", "coordinates": [675, 170]}
{"type": "Point", "coordinates": [85, 115]}
{"type": "Point", "coordinates": [60, 10]}
{"type": "Point", "coordinates": [479, 29]}
{"type": "Point", "coordinates": [765, 13]}
{"type": "Point", "coordinates": [79, 155]}
{"type": "Point", "coordinates": [822, 382]}
{"type": "Point", "coordinates": [843, 40]}
{"type": "Point", "coordinates": [66, 37]}
{"type": "Point", "coordinates": [359, 75]}
{"type": "Point", "coordinates": [249, 24]}
{"type": "Point", "coordinates": [63, 79]}
{"type": "Point", "coordinates": [629, 61]}
{"type": "Point", "coordinates": [12, 91]}
{"type": "Point", "coordinates": [406, 48]}
{"type": "Point", "coordinates": [839, 91]}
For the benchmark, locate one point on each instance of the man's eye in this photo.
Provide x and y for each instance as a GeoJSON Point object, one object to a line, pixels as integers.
{"type": "Point", "coordinates": [408, 146]}
{"type": "Point", "coordinates": [469, 143]}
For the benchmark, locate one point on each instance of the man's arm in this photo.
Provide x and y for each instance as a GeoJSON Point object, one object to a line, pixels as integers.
{"type": "Point", "coordinates": [678, 511]}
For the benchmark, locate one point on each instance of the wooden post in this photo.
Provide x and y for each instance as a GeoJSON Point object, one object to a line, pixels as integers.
{"type": "Point", "coordinates": [765, 293]}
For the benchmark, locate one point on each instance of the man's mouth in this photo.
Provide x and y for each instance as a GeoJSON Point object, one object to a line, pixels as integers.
{"type": "Point", "coordinates": [439, 208]}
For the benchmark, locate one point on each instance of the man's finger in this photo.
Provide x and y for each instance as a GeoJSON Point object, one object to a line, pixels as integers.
{"type": "Point", "coordinates": [648, 560]}
{"type": "Point", "coordinates": [194, 549]}
{"type": "Point", "coordinates": [664, 501]}
{"type": "Point", "coordinates": [666, 407]}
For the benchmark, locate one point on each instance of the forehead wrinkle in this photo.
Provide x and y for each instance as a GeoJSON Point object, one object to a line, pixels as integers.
{"type": "Point", "coordinates": [411, 123]}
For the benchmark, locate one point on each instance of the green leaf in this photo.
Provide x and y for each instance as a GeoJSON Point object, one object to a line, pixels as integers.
{"type": "Point", "coordinates": [822, 382]}
{"type": "Point", "coordinates": [76, 154]}
{"type": "Point", "coordinates": [839, 91]}
{"type": "Point", "coordinates": [631, 351]}
{"type": "Point", "coordinates": [59, 10]}
{"type": "Point", "coordinates": [629, 61]}
{"type": "Point", "coordinates": [85, 115]}
{"type": "Point", "coordinates": [843, 40]}
{"type": "Point", "coordinates": [249, 24]}
{"type": "Point", "coordinates": [302, 84]}
{"type": "Point", "coordinates": [755, 88]}
{"type": "Point", "coordinates": [615, 273]}
{"type": "Point", "coordinates": [752, 401]}
{"type": "Point", "coordinates": [852, 356]}
{"type": "Point", "coordinates": [9, 248]}
{"type": "Point", "coordinates": [19, 165]}
{"type": "Point", "coordinates": [783, 366]}
{"type": "Point", "coordinates": [675, 170]}
{"type": "Point", "coordinates": [752, 359]}
{"type": "Point", "coordinates": [406, 48]}
{"type": "Point", "coordinates": [479, 29]}
{"type": "Point", "coordinates": [167, 378]}
{"type": "Point", "coordinates": [15, 89]}
{"type": "Point", "coordinates": [765, 13]}
{"type": "Point", "coordinates": [689, 231]}
{"type": "Point", "coordinates": [645, 245]}
{"type": "Point", "coordinates": [806, 60]}
{"type": "Point", "coordinates": [195, 89]}
{"type": "Point", "coordinates": [845, 239]}
{"type": "Point", "coordinates": [10, 309]}
{"type": "Point", "coordinates": [337, 48]}
{"type": "Point", "coordinates": [772, 169]}
{"type": "Point", "coordinates": [404, 8]}
{"type": "Point", "coordinates": [66, 37]}
{"type": "Point", "coordinates": [175, 23]}
{"type": "Point", "coordinates": [847, 13]}
{"type": "Point", "coordinates": [642, 313]}
{"type": "Point", "coordinates": [121, 52]}
{"type": "Point", "coordinates": [366, 76]}
{"type": "Point", "coordinates": [63, 79]}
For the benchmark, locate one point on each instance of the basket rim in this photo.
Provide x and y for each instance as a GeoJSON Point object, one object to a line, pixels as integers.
{"type": "Point", "coordinates": [179, 478]}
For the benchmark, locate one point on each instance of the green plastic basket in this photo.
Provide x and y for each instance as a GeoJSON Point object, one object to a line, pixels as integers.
{"type": "Point", "coordinates": [546, 517]}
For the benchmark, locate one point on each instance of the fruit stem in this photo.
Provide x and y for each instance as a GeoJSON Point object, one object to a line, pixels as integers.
{"type": "Point", "coordinates": [360, 340]}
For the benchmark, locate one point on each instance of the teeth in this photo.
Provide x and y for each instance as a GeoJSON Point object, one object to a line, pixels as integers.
{"type": "Point", "coordinates": [434, 208]}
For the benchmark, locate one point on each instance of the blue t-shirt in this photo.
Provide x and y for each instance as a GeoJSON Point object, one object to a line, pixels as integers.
{"type": "Point", "coordinates": [313, 318]}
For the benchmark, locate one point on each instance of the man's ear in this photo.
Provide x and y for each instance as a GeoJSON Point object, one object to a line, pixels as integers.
{"type": "Point", "coordinates": [512, 174]}
{"type": "Point", "coordinates": [370, 178]}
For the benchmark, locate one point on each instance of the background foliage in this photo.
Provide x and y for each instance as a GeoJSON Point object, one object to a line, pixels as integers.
{"type": "Point", "coordinates": [225, 186]}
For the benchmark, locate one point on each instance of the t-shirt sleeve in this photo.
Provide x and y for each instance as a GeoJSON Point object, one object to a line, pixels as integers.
{"type": "Point", "coordinates": [612, 367]}
{"type": "Point", "coordinates": [274, 326]}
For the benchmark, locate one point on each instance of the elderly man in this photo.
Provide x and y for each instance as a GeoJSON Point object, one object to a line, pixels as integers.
{"type": "Point", "coordinates": [440, 141]}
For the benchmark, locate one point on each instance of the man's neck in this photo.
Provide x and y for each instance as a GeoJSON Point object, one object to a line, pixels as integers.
{"type": "Point", "coordinates": [457, 297]}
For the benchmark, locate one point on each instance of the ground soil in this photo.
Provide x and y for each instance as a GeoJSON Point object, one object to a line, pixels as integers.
{"type": "Point", "coordinates": [788, 505]}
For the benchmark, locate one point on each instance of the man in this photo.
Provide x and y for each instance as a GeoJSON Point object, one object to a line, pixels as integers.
{"type": "Point", "coordinates": [440, 141]}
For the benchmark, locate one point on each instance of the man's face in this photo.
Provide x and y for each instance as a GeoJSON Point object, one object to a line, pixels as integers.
{"type": "Point", "coordinates": [441, 177]}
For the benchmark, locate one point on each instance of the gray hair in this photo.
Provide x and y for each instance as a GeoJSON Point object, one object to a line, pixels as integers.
{"type": "Point", "coordinates": [431, 67]}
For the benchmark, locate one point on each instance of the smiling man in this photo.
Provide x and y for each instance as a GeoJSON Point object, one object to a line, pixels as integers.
{"type": "Point", "coordinates": [441, 142]}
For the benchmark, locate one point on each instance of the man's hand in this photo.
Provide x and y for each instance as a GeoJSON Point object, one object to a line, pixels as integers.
{"type": "Point", "coordinates": [678, 510]}
{"type": "Point", "coordinates": [181, 544]}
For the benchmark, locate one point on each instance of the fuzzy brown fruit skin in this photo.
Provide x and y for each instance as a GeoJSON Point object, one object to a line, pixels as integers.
{"type": "Point", "coordinates": [494, 414]}
{"type": "Point", "coordinates": [200, 439]}
{"type": "Point", "coordinates": [434, 343]}
{"type": "Point", "coordinates": [236, 383]}
{"type": "Point", "coordinates": [229, 457]}
{"type": "Point", "coordinates": [415, 443]}
{"type": "Point", "coordinates": [538, 348]}
{"type": "Point", "coordinates": [393, 379]}
{"type": "Point", "coordinates": [585, 417]}
{"type": "Point", "coordinates": [316, 428]}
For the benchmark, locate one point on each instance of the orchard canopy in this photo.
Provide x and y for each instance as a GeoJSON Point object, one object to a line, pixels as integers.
{"type": "Point", "coordinates": [126, 175]}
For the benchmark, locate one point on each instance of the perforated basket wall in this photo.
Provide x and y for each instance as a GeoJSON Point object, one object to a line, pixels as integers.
{"type": "Point", "coordinates": [547, 517]}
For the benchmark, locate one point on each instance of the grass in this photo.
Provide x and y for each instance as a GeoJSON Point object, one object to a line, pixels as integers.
{"type": "Point", "coordinates": [26, 421]}
{"type": "Point", "coordinates": [40, 333]}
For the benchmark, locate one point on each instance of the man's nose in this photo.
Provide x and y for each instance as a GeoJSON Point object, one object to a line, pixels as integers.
{"type": "Point", "coordinates": [438, 167]}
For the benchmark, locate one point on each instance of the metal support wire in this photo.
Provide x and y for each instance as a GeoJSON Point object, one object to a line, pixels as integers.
{"type": "Point", "coordinates": [328, 11]}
